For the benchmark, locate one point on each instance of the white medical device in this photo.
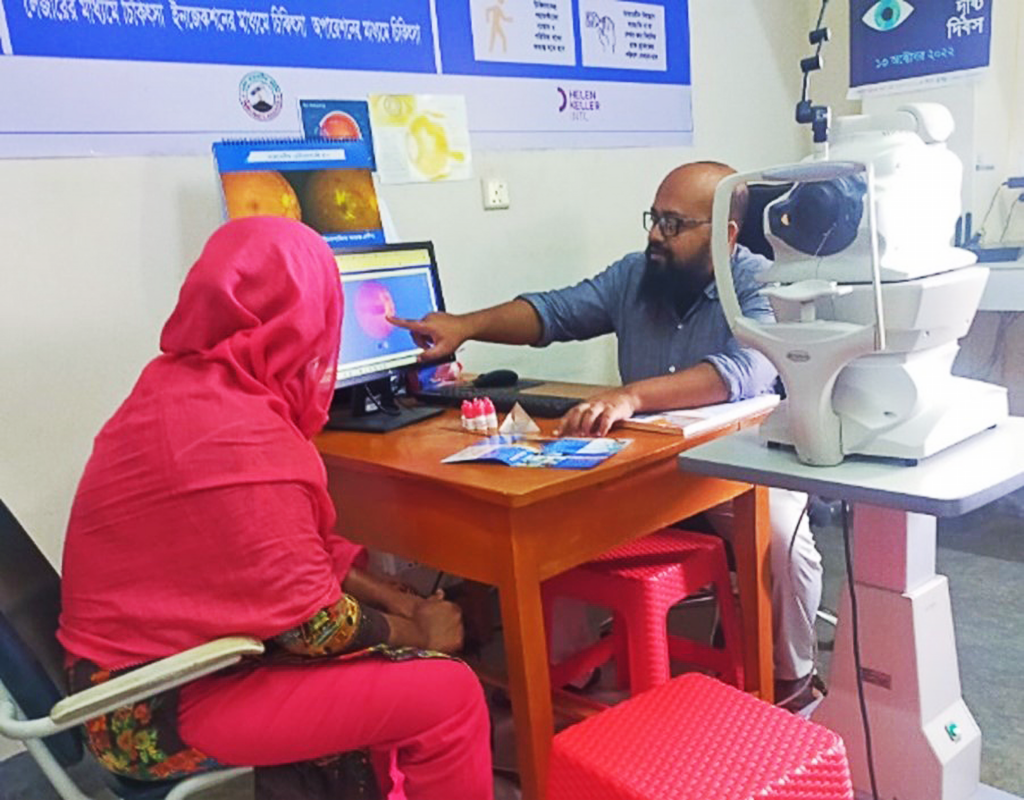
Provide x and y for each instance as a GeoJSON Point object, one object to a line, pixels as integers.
{"type": "Point", "coordinates": [870, 297]}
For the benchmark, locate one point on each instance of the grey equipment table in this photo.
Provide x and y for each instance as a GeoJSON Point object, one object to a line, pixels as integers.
{"type": "Point", "coordinates": [926, 744]}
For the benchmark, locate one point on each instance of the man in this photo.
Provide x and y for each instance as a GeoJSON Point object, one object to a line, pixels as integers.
{"type": "Point", "coordinates": [675, 350]}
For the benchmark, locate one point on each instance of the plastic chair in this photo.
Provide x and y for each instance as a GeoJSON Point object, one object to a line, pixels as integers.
{"type": "Point", "coordinates": [35, 711]}
{"type": "Point", "coordinates": [695, 738]}
{"type": "Point", "coordinates": [640, 581]}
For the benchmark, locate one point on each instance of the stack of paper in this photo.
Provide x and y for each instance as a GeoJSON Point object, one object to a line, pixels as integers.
{"type": "Point", "coordinates": [690, 422]}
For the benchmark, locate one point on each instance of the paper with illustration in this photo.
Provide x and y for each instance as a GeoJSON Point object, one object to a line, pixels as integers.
{"type": "Point", "coordinates": [420, 137]}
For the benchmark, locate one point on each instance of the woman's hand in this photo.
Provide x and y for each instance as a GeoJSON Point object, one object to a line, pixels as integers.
{"type": "Point", "coordinates": [386, 594]}
{"type": "Point", "coordinates": [439, 623]}
{"type": "Point", "coordinates": [430, 623]}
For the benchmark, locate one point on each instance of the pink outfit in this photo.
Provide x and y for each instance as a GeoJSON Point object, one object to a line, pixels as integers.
{"type": "Point", "coordinates": [203, 512]}
{"type": "Point", "coordinates": [431, 712]}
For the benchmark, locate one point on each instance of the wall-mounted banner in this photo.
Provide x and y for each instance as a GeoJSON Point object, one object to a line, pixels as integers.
{"type": "Point", "coordinates": [898, 44]}
{"type": "Point", "coordinates": [120, 77]}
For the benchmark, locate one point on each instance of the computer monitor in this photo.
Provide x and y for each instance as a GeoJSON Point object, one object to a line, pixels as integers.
{"type": "Point", "coordinates": [378, 282]}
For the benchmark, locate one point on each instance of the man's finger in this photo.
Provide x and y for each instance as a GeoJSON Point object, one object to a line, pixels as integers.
{"type": "Point", "coordinates": [588, 423]}
{"type": "Point", "coordinates": [422, 340]}
{"type": "Point", "coordinates": [431, 351]}
{"type": "Point", "coordinates": [606, 420]}
{"type": "Point", "coordinates": [567, 423]}
{"type": "Point", "coordinates": [414, 325]}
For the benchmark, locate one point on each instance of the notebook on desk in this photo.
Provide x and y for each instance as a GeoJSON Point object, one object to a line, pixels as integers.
{"type": "Point", "coordinates": [535, 404]}
{"type": "Point", "coordinates": [690, 422]}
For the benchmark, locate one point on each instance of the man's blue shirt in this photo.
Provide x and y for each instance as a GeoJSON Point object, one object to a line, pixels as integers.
{"type": "Point", "coordinates": [653, 340]}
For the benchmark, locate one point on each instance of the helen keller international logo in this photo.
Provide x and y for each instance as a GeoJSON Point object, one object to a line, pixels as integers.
{"type": "Point", "coordinates": [260, 96]}
{"type": "Point", "coordinates": [578, 102]}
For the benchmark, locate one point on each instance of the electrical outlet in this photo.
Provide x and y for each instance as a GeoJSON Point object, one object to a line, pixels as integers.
{"type": "Point", "coordinates": [495, 193]}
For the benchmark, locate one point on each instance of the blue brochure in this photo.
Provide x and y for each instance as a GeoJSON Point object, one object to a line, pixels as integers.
{"type": "Point", "coordinates": [529, 451]}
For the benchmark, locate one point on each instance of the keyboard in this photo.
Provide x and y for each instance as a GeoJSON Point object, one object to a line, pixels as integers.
{"type": "Point", "coordinates": [536, 405]}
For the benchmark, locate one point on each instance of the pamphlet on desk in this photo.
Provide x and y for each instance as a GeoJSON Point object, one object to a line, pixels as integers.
{"type": "Point", "coordinates": [690, 422]}
{"type": "Point", "coordinates": [533, 451]}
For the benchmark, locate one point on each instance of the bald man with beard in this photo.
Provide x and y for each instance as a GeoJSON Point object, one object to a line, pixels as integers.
{"type": "Point", "coordinates": [675, 350]}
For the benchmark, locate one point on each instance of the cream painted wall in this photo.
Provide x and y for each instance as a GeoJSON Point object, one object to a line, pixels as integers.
{"type": "Point", "coordinates": [94, 249]}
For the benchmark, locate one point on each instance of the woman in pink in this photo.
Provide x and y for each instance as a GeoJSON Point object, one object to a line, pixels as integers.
{"type": "Point", "coordinates": [203, 512]}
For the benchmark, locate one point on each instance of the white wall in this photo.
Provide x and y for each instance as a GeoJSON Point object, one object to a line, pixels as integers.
{"type": "Point", "coordinates": [999, 122]}
{"type": "Point", "coordinates": [93, 251]}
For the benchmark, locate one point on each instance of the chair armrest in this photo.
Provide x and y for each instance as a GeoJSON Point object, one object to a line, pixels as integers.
{"type": "Point", "coordinates": [167, 673]}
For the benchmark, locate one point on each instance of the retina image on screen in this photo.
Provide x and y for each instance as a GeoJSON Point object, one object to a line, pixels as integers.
{"type": "Point", "coordinates": [378, 282]}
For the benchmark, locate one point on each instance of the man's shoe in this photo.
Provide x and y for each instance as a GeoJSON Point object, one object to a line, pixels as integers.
{"type": "Point", "coordinates": [796, 695]}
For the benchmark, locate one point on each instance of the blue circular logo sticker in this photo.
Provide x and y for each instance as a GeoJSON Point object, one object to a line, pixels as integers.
{"type": "Point", "coordinates": [260, 96]}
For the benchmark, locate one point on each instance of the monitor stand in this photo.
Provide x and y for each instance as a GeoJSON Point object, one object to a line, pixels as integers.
{"type": "Point", "coordinates": [387, 414]}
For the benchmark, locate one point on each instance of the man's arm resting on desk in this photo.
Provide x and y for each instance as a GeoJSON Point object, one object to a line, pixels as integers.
{"type": "Point", "coordinates": [699, 385]}
{"type": "Point", "coordinates": [515, 322]}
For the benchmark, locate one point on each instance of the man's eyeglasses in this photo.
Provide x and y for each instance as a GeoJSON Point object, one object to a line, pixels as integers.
{"type": "Point", "coordinates": [671, 225]}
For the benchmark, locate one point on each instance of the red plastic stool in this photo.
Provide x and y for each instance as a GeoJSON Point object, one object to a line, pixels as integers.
{"type": "Point", "coordinates": [694, 738]}
{"type": "Point", "coordinates": [640, 582]}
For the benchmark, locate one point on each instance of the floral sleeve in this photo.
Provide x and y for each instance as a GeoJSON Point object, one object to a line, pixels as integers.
{"type": "Point", "coordinates": [344, 627]}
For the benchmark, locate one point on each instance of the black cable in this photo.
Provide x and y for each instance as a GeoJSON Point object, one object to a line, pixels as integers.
{"type": "Point", "coordinates": [393, 412]}
{"type": "Point", "coordinates": [1009, 218]}
{"type": "Point", "coordinates": [437, 583]}
{"type": "Point", "coordinates": [821, 18]}
{"type": "Point", "coordinates": [981, 228]}
{"type": "Point", "coordinates": [856, 648]}
{"type": "Point", "coordinates": [817, 52]}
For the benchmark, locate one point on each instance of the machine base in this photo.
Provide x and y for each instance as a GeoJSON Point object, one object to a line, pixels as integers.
{"type": "Point", "coordinates": [925, 745]}
{"type": "Point", "coordinates": [958, 410]}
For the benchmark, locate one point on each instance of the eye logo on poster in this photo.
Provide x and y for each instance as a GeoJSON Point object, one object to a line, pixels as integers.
{"type": "Point", "coordinates": [260, 96]}
{"type": "Point", "coordinates": [895, 41]}
{"type": "Point", "coordinates": [887, 15]}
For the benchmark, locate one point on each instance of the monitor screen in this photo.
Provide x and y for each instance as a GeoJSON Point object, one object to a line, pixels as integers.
{"type": "Point", "coordinates": [378, 282]}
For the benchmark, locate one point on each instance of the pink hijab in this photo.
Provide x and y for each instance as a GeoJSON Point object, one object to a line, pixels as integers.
{"type": "Point", "coordinates": [203, 510]}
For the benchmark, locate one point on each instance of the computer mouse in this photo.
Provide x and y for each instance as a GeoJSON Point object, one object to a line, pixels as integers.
{"type": "Point", "coordinates": [496, 378]}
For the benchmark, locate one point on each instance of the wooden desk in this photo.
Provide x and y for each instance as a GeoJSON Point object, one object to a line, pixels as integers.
{"type": "Point", "coordinates": [513, 528]}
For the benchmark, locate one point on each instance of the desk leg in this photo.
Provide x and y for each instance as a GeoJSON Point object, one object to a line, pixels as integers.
{"type": "Point", "coordinates": [751, 541]}
{"type": "Point", "coordinates": [529, 684]}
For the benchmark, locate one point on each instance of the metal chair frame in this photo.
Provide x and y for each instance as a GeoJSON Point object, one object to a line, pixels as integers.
{"type": "Point", "coordinates": [30, 676]}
